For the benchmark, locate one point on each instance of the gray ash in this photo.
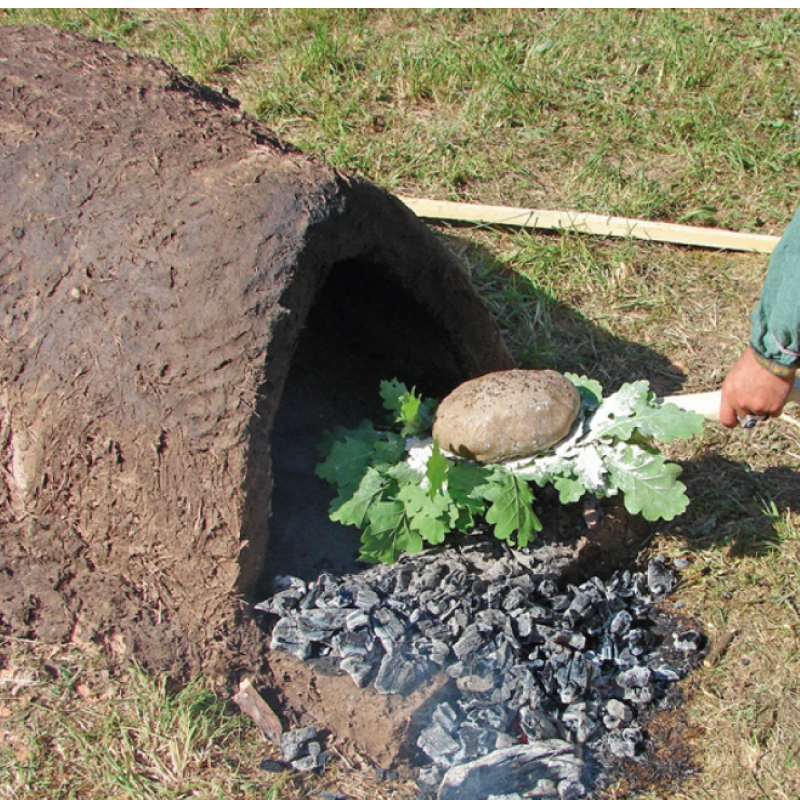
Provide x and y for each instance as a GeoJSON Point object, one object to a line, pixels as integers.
{"type": "Point", "coordinates": [534, 666]}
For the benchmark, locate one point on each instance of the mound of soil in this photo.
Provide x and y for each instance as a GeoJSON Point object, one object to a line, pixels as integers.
{"type": "Point", "coordinates": [161, 254]}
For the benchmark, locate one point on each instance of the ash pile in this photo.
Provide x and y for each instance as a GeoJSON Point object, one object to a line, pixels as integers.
{"type": "Point", "coordinates": [549, 686]}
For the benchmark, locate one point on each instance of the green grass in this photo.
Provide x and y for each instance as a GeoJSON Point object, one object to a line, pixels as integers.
{"type": "Point", "coordinates": [74, 729]}
{"type": "Point", "coordinates": [680, 115]}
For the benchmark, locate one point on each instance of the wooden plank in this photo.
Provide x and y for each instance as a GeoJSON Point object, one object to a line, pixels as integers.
{"type": "Point", "coordinates": [595, 224]}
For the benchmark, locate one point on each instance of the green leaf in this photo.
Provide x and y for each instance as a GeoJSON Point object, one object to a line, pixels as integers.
{"type": "Point", "coordinates": [436, 470]}
{"type": "Point", "coordinates": [570, 489]}
{"type": "Point", "coordinates": [591, 391]}
{"type": "Point", "coordinates": [633, 409]}
{"type": "Point", "coordinates": [392, 393]}
{"type": "Point", "coordinates": [355, 511]}
{"type": "Point", "coordinates": [648, 481]}
{"type": "Point", "coordinates": [410, 411]}
{"type": "Point", "coordinates": [431, 516]}
{"type": "Point", "coordinates": [464, 483]}
{"type": "Point", "coordinates": [389, 534]}
{"type": "Point", "coordinates": [365, 431]}
{"type": "Point", "coordinates": [511, 511]}
{"type": "Point", "coordinates": [390, 449]}
{"type": "Point", "coordinates": [346, 464]}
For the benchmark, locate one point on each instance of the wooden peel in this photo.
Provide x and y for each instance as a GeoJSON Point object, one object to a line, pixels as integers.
{"type": "Point", "coordinates": [707, 403]}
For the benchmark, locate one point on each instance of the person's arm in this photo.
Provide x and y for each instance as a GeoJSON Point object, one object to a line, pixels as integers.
{"type": "Point", "coordinates": [760, 381]}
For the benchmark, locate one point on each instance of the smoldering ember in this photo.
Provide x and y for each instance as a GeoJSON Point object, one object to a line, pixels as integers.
{"type": "Point", "coordinates": [546, 688]}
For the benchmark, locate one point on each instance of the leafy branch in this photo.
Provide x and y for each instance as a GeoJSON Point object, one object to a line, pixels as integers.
{"type": "Point", "coordinates": [403, 492]}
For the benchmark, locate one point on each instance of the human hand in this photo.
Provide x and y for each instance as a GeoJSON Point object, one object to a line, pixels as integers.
{"type": "Point", "coordinates": [750, 389]}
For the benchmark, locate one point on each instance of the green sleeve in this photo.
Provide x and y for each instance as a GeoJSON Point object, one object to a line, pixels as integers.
{"type": "Point", "coordinates": [775, 330]}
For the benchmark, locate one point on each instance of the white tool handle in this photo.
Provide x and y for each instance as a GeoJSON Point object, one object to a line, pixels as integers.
{"type": "Point", "coordinates": [707, 403]}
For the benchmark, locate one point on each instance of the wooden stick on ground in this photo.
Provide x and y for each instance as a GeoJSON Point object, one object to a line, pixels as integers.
{"type": "Point", "coordinates": [595, 224]}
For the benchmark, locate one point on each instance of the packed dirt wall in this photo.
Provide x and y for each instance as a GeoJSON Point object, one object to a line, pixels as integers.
{"type": "Point", "coordinates": [160, 253]}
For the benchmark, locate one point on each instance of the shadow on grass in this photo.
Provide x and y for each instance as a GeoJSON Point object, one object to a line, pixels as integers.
{"type": "Point", "coordinates": [735, 506]}
{"type": "Point", "coordinates": [543, 332]}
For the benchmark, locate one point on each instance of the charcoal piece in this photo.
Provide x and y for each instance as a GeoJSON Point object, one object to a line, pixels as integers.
{"type": "Point", "coordinates": [366, 599]}
{"type": "Point", "coordinates": [640, 588]}
{"type": "Point", "coordinates": [439, 607]}
{"type": "Point", "coordinates": [547, 589]}
{"type": "Point", "coordinates": [457, 670]}
{"type": "Point", "coordinates": [634, 678]}
{"type": "Point", "coordinates": [582, 606]}
{"type": "Point", "coordinates": [667, 674]}
{"type": "Point", "coordinates": [617, 714]}
{"type": "Point", "coordinates": [497, 571]}
{"type": "Point", "coordinates": [490, 619]}
{"type": "Point", "coordinates": [571, 789]}
{"type": "Point", "coordinates": [359, 668]}
{"type": "Point", "coordinates": [626, 744]}
{"type": "Point", "coordinates": [333, 796]}
{"type": "Point", "coordinates": [324, 620]}
{"type": "Point", "coordinates": [402, 673]}
{"type": "Point", "coordinates": [572, 639]}
{"type": "Point", "coordinates": [639, 641]}
{"type": "Point", "coordinates": [436, 630]}
{"type": "Point", "coordinates": [689, 641]}
{"type": "Point", "coordinates": [493, 596]}
{"type": "Point", "coordinates": [468, 643]}
{"type": "Point", "coordinates": [540, 613]}
{"type": "Point", "coordinates": [524, 687]}
{"type": "Point", "coordinates": [492, 717]}
{"type": "Point", "coordinates": [359, 643]}
{"type": "Point", "coordinates": [315, 759]}
{"type": "Point", "coordinates": [458, 618]}
{"type": "Point", "coordinates": [608, 650]}
{"type": "Point", "coordinates": [283, 602]}
{"type": "Point", "coordinates": [305, 764]}
{"type": "Point", "coordinates": [661, 579]}
{"type": "Point", "coordinates": [525, 582]}
{"type": "Point", "coordinates": [475, 684]}
{"type": "Point", "coordinates": [282, 582]}
{"type": "Point", "coordinates": [430, 775]}
{"type": "Point", "coordinates": [429, 579]}
{"type": "Point", "coordinates": [537, 724]}
{"type": "Point", "coordinates": [288, 636]}
{"type": "Point", "coordinates": [639, 696]}
{"type": "Point", "coordinates": [621, 623]}
{"type": "Point", "coordinates": [524, 625]}
{"type": "Point", "coordinates": [541, 633]}
{"type": "Point", "coordinates": [574, 678]}
{"type": "Point", "coordinates": [475, 741]}
{"type": "Point", "coordinates": [438, 744]}
{"type": "Point", "coordinates": [438, 652]}
{"type": "Point", "coordinates": [514, 599]}
{"type": "Point", "coordinates": [294, 743]}
{"type": "Point", "coordinates": [445, 715]}
{"type": "Point", "coordinates": [561, 602]}
{"type": "Point", "coordinates": [356, 620]}
{"type": "Point", "coordinates": [388, 628]}
{"type": "Point", "coordinates": [512, 770]}
{"type": "Point", "coordinates": [502, 694]}
{"type": "Point", "coordinates": [340, 596]}
{"type": "Point", "coordinates": [582, 720]}
{"type": "Point", "coordinates": [271, 765]}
